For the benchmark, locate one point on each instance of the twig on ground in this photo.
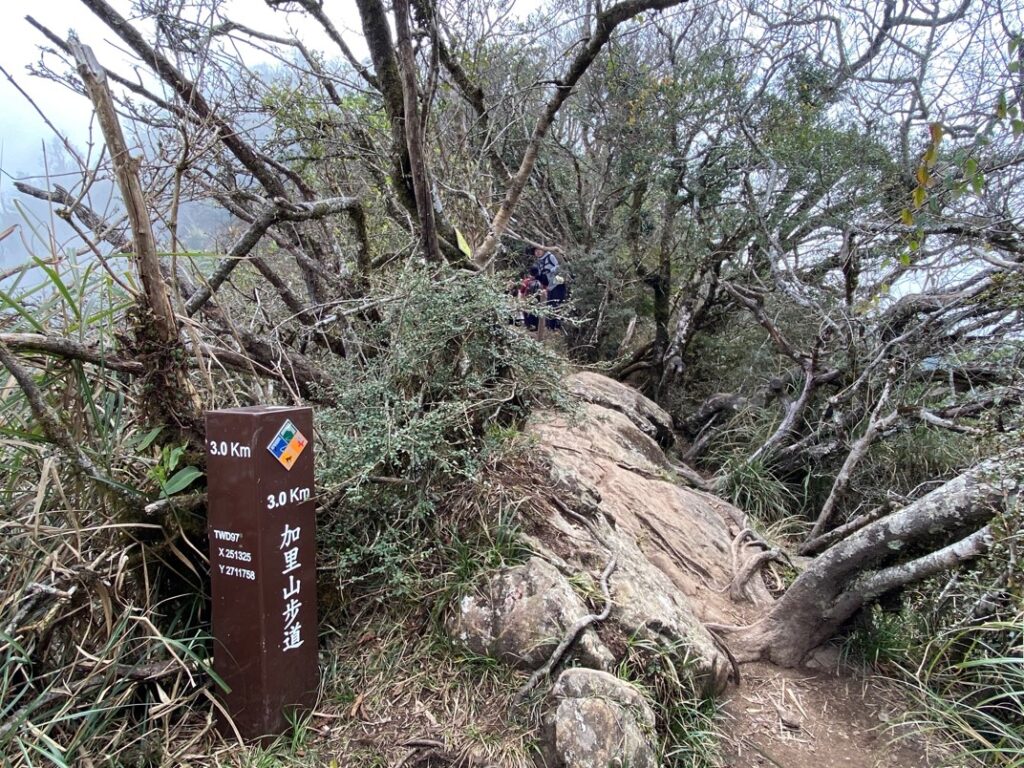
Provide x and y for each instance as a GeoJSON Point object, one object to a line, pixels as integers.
{"type": "Point", "coordinates": [184, 503]}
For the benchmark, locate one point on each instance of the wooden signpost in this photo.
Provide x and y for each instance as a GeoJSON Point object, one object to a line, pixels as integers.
{"type": "Point", "coordinates": [263, 563]}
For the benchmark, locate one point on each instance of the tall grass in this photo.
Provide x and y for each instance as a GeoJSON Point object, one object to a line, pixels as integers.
{"type": "Point", "coordinates": [754, 488]}
{"type": "Point", "coordinates": [102, 640]}
{"type": "Point", "coordinates": [689, 730]}
{"type": "Point", "coordinates": [970, 691]}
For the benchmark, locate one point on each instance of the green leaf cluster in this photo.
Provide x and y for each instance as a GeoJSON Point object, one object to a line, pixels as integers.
{"type": "Point", "coordinates": [442, 370]}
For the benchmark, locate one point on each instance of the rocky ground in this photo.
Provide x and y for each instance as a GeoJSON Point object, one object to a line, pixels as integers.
{"type": "Point", "coordinates": [631, 571]}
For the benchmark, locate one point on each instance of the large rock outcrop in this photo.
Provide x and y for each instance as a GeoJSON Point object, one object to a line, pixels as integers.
{"type": "Point", "coordinates": [522, 613]}
{"type": "Point", "coordinates": [611, 494]}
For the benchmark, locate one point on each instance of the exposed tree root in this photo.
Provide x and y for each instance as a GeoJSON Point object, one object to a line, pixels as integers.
{"type": "Point", "coordinates": [570, 637]}
{"type": "Point", "coordinates": [738, 587]}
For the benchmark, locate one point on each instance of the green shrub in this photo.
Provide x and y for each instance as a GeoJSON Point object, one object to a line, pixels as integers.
{"type": "Point", "coordinates": [754, 488]}
{"type": "Point", "coordinates": [442, 371]}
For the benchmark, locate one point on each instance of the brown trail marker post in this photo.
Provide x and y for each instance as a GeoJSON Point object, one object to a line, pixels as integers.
{"type": "Point", "coordinates": [262, 563]}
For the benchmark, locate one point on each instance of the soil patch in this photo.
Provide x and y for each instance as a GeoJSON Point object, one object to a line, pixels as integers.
{"type": "Point", "coordinates": [799, 718]}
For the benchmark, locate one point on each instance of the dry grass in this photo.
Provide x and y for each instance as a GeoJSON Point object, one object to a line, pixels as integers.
{"type": "Point", "coordinates": [395, 691]}
{"type": "Point", "coordinates": [100, 643]}
{"type": "Point", "coordinates": [102, 647]}
{"type": "Point", "coordinates": [104, 656]}
{"type": "Point", "coordinates": [398, 693]}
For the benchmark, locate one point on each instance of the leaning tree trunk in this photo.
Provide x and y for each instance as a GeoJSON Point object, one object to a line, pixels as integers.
{"type": "Point", "coordinates": [171, 398]}
{"type": "Point", "coordinates": [864, 566]}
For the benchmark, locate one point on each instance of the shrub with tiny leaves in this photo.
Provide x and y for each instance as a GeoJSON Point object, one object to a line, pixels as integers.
{"type": "Point", "coordinates": [440, 368]}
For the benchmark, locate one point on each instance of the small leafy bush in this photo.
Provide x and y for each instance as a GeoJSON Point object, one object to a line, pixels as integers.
{"type": "Point", "coordinates": [441, 371]}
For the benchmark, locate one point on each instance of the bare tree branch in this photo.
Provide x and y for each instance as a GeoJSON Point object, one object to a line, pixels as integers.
{"type": "Point", "coordinates": [605, 24]}
{"type": "Point", "coordinates": [275, 212]}
{"type": "Point", "coordinates": [58, 346]}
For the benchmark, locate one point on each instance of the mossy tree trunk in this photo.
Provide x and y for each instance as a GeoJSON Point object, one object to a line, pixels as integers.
{"type": "Point", "coordinates": [936, 533]}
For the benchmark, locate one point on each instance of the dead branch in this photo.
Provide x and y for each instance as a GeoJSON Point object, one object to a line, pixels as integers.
{"type": "Point", "coordinates": [59, 346]}
{"type": "Point", "coordinates": [932, 418]}
{"type": "Point", "coordinates": [146, 260]}
{"type": "Point", "coordinates": [96, 223]}
{"type": "Point", "coordinates": [57, 434]}
{"type": "Point", "coordinates": [184, 503]}
{"type": "Point", "coordinates": [826, 540]}
{"type": "Point", "coordinates": [876, 424]}
{"type": "Point", "coordinates": [793, 412]}
{"type": "Point", "coordinates": [712, 406]}
{"type": "Point", "coordinates": [1001, 397]}
{"type": "Point", "coordinates": [275, 212]}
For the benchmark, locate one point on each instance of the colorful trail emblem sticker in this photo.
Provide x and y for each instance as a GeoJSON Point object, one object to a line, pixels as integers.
{"type": "Point", "coordinates": [287, 444]}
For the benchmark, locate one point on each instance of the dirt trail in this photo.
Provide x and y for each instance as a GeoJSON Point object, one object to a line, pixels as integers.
{"type": "Point", "coordinates": [608, 451]}
{"type": "Point", "coordinates": [799, 718]}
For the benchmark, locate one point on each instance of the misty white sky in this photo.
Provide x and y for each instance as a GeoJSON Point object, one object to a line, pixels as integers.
{"type": "Point", "coordinates": [22, 130]}
{"type": "Point", "coordinates": [29, 150]}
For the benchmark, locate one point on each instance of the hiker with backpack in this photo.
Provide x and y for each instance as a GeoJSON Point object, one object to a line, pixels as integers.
{"type": "Point", "coordinates": [545, 262]}
{"type": "Point", "coordinates": [548, 272]}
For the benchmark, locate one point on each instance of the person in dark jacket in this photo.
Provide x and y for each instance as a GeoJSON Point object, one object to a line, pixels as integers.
{"type": "Point", "coordinates": [558, 292]}
{"type": "Point", "coordinates": [529, 287]}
